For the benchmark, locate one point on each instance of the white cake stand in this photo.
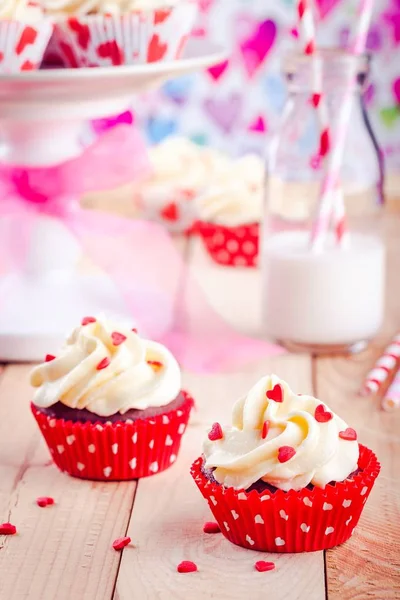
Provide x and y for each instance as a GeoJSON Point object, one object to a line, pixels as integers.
{"type": "Point", "coordinates": [41, 118]}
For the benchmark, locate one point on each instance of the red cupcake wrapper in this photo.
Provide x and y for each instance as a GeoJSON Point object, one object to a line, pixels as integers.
{"type": "Point", "coordinates": [303, 521]}
{"type": "Point", "coordinates": [136, 38]}
{"type": "Point", "coordinates": [231, 246]}
{"type": "Point", "coordinates": [22, 46]}
{"type": "Point", "coordinates": [115, 451]}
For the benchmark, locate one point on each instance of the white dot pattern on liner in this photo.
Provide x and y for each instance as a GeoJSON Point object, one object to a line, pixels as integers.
{"type": "Point", "coordinates": [279, 541]}
{"type": "Point", "coordinates": [165, 420]}
{"type": "Point", "coordinates": [348, 520]}
{"type": "Point", "coordinates": [60, 448]}
{"type": "Point", "coordinates": [242, 496]}
{"type": "Point", "coordinates": [99, 427]}
{"type": "Point", "coordinates": [259, 520]}
{"type": "Point", "coordinates": [213, 500]}
{"type": "Point", "coordinates": [223, 256]}
{"type": "Point", "coordinates": [92, 448]}
{"type": "Point", "coordinates": [327, 506]}
{"type": "Point", "coordinates": [346, 503]}
{"type": "Point", "coordinates": [305, 528]}
{"type": "Point", "coordinates": [248, 248]}
{"type": "Point", "coordinates": [179, 413]}
{"type": "Point", "coordinates": [239, 261]}
{"type": "Point", "coordinates": [266, 497]}
{"type": "Point", "coordinates": [181, 428]}
{"type": "Point", "coordinates": [307, 501]}
{"type": "Point", "coordinates": [172, 458]}
{"type": "Point", "coordinates": [234, 514]}
{"type": "Point", "coordinates": [232, 245]}
{"type": "Point", "coordinates": [151, 444]}
{"type": "Point", "coordinates": [80, 466]}
{"type": "Point", "coordinates": [154, 467]}
{"type": "Point", "coordinates": [134, 437]}
{"type": "Point", "coordinates": [114, 448]}
{"type": "Point", "coordinates": [52, 423]}
{"type": "Point", "coordinates": [133, 463]}
{"type": "Point", "coordinates": [107, 471]}
{"type": "Point", "coordinates": [364, 491]}
{"type": "Point", "coordinates": [70, 439]}
{"type": "Point", "coordinates": [283, 515]}
{"type": "Point", "coordinates": [218, 239]}
{"type": "Point", "coordinates": [249, 540]}
{"type": "Point", "coordinates": [240, 232]}
{"type": "Point", "coordinates": [168, 440]}
{"type": "Point", "coordinates": [226, 526]}
{"type": "Point", "coordinates": [329, 530]}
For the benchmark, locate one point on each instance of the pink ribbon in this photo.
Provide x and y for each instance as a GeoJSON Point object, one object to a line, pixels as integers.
{"type": "Point", "coordinates": [156, 285]}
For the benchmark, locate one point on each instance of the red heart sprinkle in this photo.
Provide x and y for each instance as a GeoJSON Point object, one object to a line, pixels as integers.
{"type": "Point", "coordinates": [170, 212]}
{"type": "Point", "coordinates": [263, 565]}
{"type": "Point", "coordinates": [117, 338]}
{"type": "Point", "coordinates": [186, 566]}
{"type": "Point", "coordinates": [321, 415]}
{"type": "Point", "coordinates": [103, 364]}
{"type": "Point", "coordinates": [211, 527]}
{"type": "Point", "coordinates": [161, 15]}
{"type": "Point", "coordinates": [301, 7]}
{"type": "Point", "coordinates": [276, 393]}
{"type": "Point", "coordinates": [7, 529]}
{"type": "Point", "coordinates": [44, 501]}
{"type": "Point", "coordinates": [120, 543]}
{"type": "Point", "coordinates": [134, 330]}
{"type": "Point", "coordinates": [285, 453]}
{"type": "Point", "coordinates": [316, 99]}
{"type": "Point", "coordinates": [87, 320]}
{"type": "Point", "coordinates": [349, 434]}
{"type": "Point", "coordinates": [215, 433]}
{"type": "Point", "coordinates": [265, 429]}
{"type": "Point", "coordinates": [49, 357]}
{"type": "Point", "coordinates": [28, 36]}
{"type": "Point", "coordinates": [324, 143]}
{"type": "Point", "coordinates": [310, 48]}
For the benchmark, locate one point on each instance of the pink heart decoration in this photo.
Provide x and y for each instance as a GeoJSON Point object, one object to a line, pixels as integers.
{"type": "Point", "coordinates": [396, 90]}
{"type": "Point", "coordinates": [218, 70]}
{"type": "Point", "coordinates": [224, 111]}
{"type": "Point", "coordinates": [256, 47]}
{"type": "Point", "coordinates": [258, 125]}
{"type": "Point", "coordinates": [326, 6]}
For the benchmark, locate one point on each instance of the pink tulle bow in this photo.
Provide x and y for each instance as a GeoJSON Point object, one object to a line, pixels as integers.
{"type": "Point", "coordinates": [157, 286]}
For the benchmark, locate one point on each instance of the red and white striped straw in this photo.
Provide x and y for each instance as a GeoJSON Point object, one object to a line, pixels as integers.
{"type": "Point", "coordinates": [331, 204]}
{"type": "Point", "coordinates": [382, 368]}
{"type": "Point", "coordinates": [391, 400]}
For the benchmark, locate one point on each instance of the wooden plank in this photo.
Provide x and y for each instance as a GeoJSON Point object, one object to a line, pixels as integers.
{"type": "Point", "coordinates": [169, 512]}
{"type": "Point", "coordinates": [62, 551]}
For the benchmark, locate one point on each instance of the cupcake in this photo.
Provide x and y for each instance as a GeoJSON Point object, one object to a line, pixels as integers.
{"type": "Point", "coordinates": [100, 33]}
{"type": "Point", "coordinates": [230, 210]}
{"type": "Point", "coordinates": [24, 35]}
{"type": "Point", "coordinates": [110, 404]}
{"type": "Point", "coordinates": [288, 476]}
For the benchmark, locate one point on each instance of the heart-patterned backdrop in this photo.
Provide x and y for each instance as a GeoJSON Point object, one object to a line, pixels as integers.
{"type": "Point", "coordinates": [236, 105]}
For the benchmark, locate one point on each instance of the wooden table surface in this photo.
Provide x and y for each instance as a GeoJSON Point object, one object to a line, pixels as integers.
{"type": "Point", "coordinates": [64, 552]}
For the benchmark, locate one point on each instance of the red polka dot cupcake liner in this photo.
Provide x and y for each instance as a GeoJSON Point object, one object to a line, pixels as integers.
{"type": "Point", "coordinates": [130, 39]}
{"type": "Point", "coordinates": [302, 521]}
{"type": "Point", "coordinates": [115, 451]}
{"type": "Point", "coordinates": [22, 46]}
{"type": "Point", "coordinates": [231, 246]}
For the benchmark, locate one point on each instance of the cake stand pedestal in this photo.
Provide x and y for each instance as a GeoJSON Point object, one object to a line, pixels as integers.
{"type": "Point", "coordinates": [42, 115]}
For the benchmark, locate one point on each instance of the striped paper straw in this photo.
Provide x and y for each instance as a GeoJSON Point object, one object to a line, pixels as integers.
{"type": "Point", "coordinates": [331, 204]}
{"type": "Point", "coordinates": [391, 400]}
{"type": "Point", "coordinates": [383, 367]}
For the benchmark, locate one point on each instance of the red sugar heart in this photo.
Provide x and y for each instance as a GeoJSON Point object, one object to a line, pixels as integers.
{"type": "Point", "coordinates": [316, 99]}
{"type": "Point", "coordinates": [28, 36]}
{"type": "Point", "coordinates": [120, 543]}
{"type": "Point", "coordinates": [103, 364]}
{"type": "Point", "coordinates": [49, 357]}
{"type": "Point", "coordinates": [349, 434]}
{"type": "Point", "coordinates": [265, 429]}
{"type": "Point", "coordinates": [285, 453]}
{"type": "Point", "coordinates": [117, 338]}
{"type": "Point", "coordinates": [44, 501]}
{"type": "Point", "coordinates": [170, 212]}
{"type": "Point", "coordinates": [324, 143]}
{"type": "Point", "coordinates": [186, 566]}
{"type": "Point", "coordinates": [321, 415]}
{"type": "Point", "coordinates": [7, 529]}
{"type": "Point", "coordinates": [310, 48]}
{"type": "Point", "coordinates": [215, 433]}
{"type": "Point", "coordinates": [111, 50]}
{"type": "Point", "coordinates": [156, 50]}
{"type": "Point", "coordinates": [82, 32]}
{"type": "Point", "coordinates": [161, 15]}
{"type": "Point", "coordinates": [87, 320]}
{"type": "Point", "coordinates": [218, 70]}
{"type": "Point", "coordinates": [211, 527]}
{"type": "Point", "coordinates": [263, 565]}
{"type": "Point", "coordinates": [301, 7]}
{"type": "Point", "coordinates": [276, 393]}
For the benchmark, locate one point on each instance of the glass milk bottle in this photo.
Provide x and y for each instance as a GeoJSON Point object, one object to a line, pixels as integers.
{"type": "Point", "coordinates": [325, 297]}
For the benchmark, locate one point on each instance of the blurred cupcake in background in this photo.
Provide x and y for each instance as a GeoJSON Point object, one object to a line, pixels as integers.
{"type": "Point", "coordinates": [110, 404]}
{"type": "Point", "coordinates": [230, 210]}
{"type": "Point", "coordinates": [24, 35]}
{"type": "Point", "coordinates": [98, 33]}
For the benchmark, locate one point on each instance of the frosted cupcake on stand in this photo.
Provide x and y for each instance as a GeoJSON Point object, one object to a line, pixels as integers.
{"type": "Point", "coordinates": [24, 35]}
{"type": "Point", "coordinates": [97, 33]}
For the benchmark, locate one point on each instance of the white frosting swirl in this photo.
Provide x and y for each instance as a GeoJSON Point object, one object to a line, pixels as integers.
{"type": "Point", "coordinates": [27, 11]}
{"type": "Point", "coordinates": [130, 380]}
{"type": "Point", "coordinates": [242, 456]}
{"type": "Point", "coordinates": [84, 7]}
